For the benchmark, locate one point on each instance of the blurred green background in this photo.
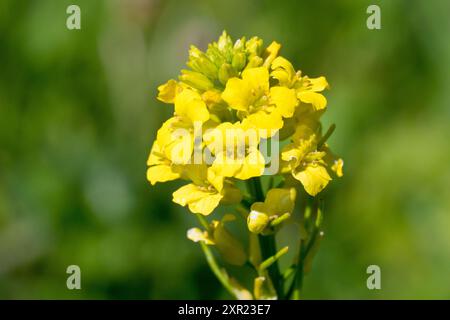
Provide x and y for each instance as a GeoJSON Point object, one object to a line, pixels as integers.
{"type": "Point", "coordinates": [78, 115]}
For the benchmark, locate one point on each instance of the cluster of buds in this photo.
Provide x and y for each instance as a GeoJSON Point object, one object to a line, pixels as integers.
{"type": "Point", "coordinates": [234, 98]}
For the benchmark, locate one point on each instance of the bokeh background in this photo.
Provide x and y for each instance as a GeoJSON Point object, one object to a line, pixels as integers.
{"type": "Point", "coordinates": [78, 115]}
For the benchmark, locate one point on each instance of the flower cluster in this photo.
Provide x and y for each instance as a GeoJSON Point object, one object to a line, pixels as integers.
{"type": "Point", "coordinates": [238, 87]}
{"type": "Point", "coordinates": [231, 99]}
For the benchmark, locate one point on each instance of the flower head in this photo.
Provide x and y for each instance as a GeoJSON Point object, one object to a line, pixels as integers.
{"type": "Point", "coordinates": [232, 97]}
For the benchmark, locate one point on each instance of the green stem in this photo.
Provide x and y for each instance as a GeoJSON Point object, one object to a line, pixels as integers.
{"type": "Point", "coordinates": [221, 276]}
{"type": "Point", "coordinates": [211, 260]}
{"type": "Point", "coordinates": [267, 242]}
{"type": "Point", "coordinates": [268, 262]}
{"type": "Point", "coordinates": [268, 249]}
{"type": "Point", "coordinates": [203, 221]}
{"type": "Point", "coordinates": [298, 279]}
{"type": "Point", "coordinates": [297, 283]}
{"type": "Point", "coordinates": [326, 135]}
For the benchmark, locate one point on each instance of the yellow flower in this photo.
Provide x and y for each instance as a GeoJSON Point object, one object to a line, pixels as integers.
{"type": "Point", "coordinates": [207, 190]}
{"type": "Point", "coordinates": [278, 202]}
{"type": "Point", "coordinates": [314, 177]}
{"type": "Point", "coordinates": [305, 161]}
{"type": "Point", "coordinates": [306, 89]}
{"type": "Point", "coordinates": [261, 106]}
{"type": "Point", "coordinates": [176, 136]}
{"type": "Point", "coordinates": [252, 89]}
{"type": "Point", "coordinates": [160, 168]}
{"type": "Point", "coordinates": [236, 151]}
{"type": "Point", "coordinates": [175, 139]}
{"type": "Point", "coordinates": [189, 104]}
{"type": "Point", "coordinates": [284, 72]}
{"type": "Point", "coordinates": [168, 91]}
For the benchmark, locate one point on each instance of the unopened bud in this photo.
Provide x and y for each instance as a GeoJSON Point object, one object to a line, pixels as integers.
{"type": "Point", "coordinates": [257, 221]}
{"type": "Point", "coordinates": [254, 62]}
{"type": "Point", "coordinates": [239, 60]}
{"type": "Point", "coordinates": [226, 72]}
{"type": "Point", "coordinates": [254, 46]}
{"type": "Point", "coordinates": [196, 80]}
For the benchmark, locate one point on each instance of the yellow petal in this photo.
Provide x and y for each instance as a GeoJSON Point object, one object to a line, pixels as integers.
{"type": "Point", "coordinates": [292, 153]}
{"type": "Point", "coordinates": [316, 99]}
{"type": "Point", "coordinates": [283, 71]}
{"type": "Point", "coordinates": [337, 167]}
{"type": "Point", "coordinates": [227, 137]}
{"type": "Point", "coordinates": [206, 205]}
{"type": "Point", "coordinates": [199, 200]}
{"type": "Point", "coordinates": [164, 133]}
{"type": "Point", "coordinates": [318, 84]}
{"type": "Point", "coordinates": [283, 63]}
{"type": "Point", "coordinates": [285, 99]}
{"type": "Point", "coordinates": [267, 123]}
{"type": "Point", "coordinates": [237, 94]}
{"type": "Point", "coordinates": [189, 104]}
{"type": "Point", "coordinates": [155, 155]}
{"type": "Point", "coordinates": [226, 166]}
{"type": "Point", "coordinates": [270, 53]}
{"type": "Point", "coordinates": [214, 179]}
{"type": "Point", "coordinates": [252, 166]}
{"type": "Point", "coordinates": [211, 97]}
{"type": "Point", "coordinates": [314, 178]}
{"type": "Point", "coordinates": [179, 150]}
{"type": "Point", "coordinates": [168, 91]}
{"type": "Point", "coordinates": [175, 140]}
{"type": "Point", "coordinates": [257, 80]}
{"type": "Point", "coordinates": [161, 173]}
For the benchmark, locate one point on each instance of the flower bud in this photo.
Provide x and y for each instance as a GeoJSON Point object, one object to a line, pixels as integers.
{"type": "Point", "coordinates": [226, 72]}
{"type": "Point", "coordinates": [254, 46]}
{"type": "Point", "coordinates": [239, 60]}
{"type": "Point", "coordinates": [254, 62]}
{"type": "Point", "coordinates": [224, 41]}
{"type": "Point", "coordinates": [196, 80]}
{"type": "Point", "coordinates": [239, 44]}
{"type": "Point", "coordinates": [257, 221]}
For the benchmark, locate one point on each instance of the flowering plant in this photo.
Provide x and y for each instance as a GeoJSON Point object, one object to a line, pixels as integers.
{"type": "Point", "coordinates": [234, 99]}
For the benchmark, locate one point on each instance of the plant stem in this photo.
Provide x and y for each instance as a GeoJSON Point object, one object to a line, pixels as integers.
{"type": "Point", "coordinates": [298, 279]}
{"type": "Point", "coordinates": [223, 278]}
{"type": "Point", "coordinates": [267, 242]}
{"type": "Point", "coordinates": [297, 283]}
{"type": "Point", "coordinates": [221, 275]}
{"type": "Point", "coordinates": [326, 135]}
